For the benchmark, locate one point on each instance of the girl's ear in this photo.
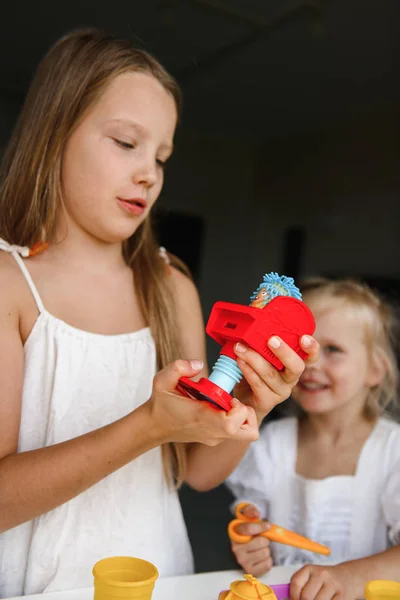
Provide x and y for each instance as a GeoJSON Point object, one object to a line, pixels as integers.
{"type": "Point", "coordinates": [377, 370]}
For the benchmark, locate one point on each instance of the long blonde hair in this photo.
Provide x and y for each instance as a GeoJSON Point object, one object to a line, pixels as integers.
{"type": "Point", "coordinates": [69, 80]}
{"type": "Point", "coordinates": [380, 324]}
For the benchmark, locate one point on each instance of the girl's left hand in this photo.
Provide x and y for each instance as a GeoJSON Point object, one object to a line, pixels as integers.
{"type": "Point", "coordinates": [263, 386]}
{"type": "Point", "coordinates": [314, 582]}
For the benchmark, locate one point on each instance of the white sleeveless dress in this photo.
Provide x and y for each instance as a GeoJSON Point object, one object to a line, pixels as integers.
{"type": "Point", "coordinates": [75, 382]}
{"type": "Point", "coordinates": [355, 515]}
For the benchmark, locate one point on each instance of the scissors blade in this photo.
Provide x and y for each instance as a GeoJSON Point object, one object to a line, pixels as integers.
{"type": "Point", "coordinates": [290, 538]}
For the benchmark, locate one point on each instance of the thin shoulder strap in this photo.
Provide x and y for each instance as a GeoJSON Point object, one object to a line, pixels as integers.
{"type": "Point", "coordinates": [29, 281]}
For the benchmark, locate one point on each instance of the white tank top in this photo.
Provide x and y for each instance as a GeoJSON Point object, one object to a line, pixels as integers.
{"type": "Point", "coordinates": [75, 382]}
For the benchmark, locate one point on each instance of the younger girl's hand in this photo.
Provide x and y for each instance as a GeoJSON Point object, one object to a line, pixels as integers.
{"type": "Point", "coordinates": [314, 582]}
{"type": "Point", "coordinates": [263, 386]}
{"type": "Point", "coordinates": [255, 556]}
{"type": "Point", "coordinates": [175, 418]}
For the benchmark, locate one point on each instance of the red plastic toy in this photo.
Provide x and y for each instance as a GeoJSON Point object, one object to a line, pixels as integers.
{"type": "Point", "coordinates": [272, 312]}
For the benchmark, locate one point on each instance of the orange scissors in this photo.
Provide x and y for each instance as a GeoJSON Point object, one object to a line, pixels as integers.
{"type": "Point", "coordinates": [275, 534]}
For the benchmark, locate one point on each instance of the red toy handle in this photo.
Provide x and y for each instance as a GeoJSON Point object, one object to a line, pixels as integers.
{"type": "Point", "coordinates": [283, 316]}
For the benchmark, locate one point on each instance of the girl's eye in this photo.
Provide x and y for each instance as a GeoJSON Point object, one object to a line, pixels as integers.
{"type": "Point", "coordinates": [125, 145]}
{"type": "Point", "coordinates": [161, 163]}
{"type": "Point", "coordinates": [331, 348]}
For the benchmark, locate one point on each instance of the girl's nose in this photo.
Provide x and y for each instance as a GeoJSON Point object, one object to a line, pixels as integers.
{"type": "Point", "coordinates": [145, 173]}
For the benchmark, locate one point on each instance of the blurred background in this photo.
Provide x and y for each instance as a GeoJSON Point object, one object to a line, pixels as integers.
{"type": "Point", "coordinates": [287, 158]}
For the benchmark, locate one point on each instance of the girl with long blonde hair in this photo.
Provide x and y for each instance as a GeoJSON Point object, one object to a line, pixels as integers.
{"type": "Point", "coordinates": [96, 329]}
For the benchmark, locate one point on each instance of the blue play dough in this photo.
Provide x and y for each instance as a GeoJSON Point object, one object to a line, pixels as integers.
{"type": "Point", "coordinates": [277, 285]}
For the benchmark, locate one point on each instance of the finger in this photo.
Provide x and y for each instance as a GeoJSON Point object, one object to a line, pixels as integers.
{"type": "Point", "coordinates": [251, 512]}
{"type": "Point", "coordinates": [260, 568]}
{"type": "Point", "coordinates": [240, 422]}
{"type": "Point", "coordinates": [293, 364]}
{"type": "Point", "coordinates": [238, 413]}
{"type": "Point", "coordinates": [258, 542]}
{"type": "Point", "coordinates": [298, 581]}
{"type": "Point", "coordinates": [311, 346]}
{"type": "Point", "coordinates": [167, 379]}
{"type": "Point", "coordinates": [256, 383]}
{"type": "Point", "coordinates": [253, 557]}
{"type": "Point", "coordinates": [260, 371]}
{"type": "Point", "coordinates": [313, 587]}
{"type": "Point", "coordinates": [253, 528]}
{"type": "Point", "coordinates": [327, 592]}
{"type": "Point", "coordinates": [268, 392]}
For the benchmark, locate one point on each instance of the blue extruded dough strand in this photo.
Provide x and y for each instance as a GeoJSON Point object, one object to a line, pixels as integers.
{"type": "Point", "coordinates": [274, 285]}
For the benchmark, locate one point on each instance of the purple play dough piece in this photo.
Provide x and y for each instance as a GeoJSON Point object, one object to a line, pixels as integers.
{"type": "Point", "coordinates": [281, 591]}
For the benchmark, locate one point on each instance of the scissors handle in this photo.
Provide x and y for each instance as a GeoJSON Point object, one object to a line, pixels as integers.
{"type": "Point", "coordinates": [240, 519]}
{"type": "Point", "coordinates": [234, 535]}
{"type": "Point", "coordinates": [275, 534]}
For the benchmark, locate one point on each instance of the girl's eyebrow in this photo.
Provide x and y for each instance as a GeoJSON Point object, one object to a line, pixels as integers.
{"type": "Point", "coordinates": [140, 129]}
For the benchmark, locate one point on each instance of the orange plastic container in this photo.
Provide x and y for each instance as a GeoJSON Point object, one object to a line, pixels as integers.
{"type": "Point", "coordinates": [248, 589]}
{"type": "Point", "coordinates": [381, 589]}
{"type": "Point", "coordinates": [126, 577]}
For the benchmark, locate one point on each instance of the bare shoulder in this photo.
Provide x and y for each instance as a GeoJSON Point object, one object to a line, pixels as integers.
{"type": "Point", "coordinates": [189, 315]}
{"type": "Point", "coordinates": [12, 288]}
{"type": "Point", "coordinates": [12, 296]}
{"type": "Point", "coordinates": [183, 288]}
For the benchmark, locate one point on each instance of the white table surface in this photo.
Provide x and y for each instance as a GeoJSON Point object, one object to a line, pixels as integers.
{"type": "Point", "coordinates": [202, 586]}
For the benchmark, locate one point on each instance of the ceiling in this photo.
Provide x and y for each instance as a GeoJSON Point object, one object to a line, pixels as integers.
{"type": "Point", "coordinates": [247, 67]}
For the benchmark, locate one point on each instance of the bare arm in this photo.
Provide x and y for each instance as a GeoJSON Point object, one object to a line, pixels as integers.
{"type": "Point", "coordinates": [35, 482]}
{"type": "Point", "coordinates": [347, 580]}
{"type": "Point", "coordinates": [385, 565]}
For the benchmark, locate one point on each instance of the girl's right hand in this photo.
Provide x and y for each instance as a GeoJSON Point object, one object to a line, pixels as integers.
{"type": "Point", "coordinates": [176, 418]}
{"type": "Point", "coordinates": [255, 556]}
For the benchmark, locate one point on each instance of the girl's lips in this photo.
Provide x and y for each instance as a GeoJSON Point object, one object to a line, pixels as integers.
{"type": "Point", "coordinates": [135, 206]}
{"type": "Point", "coordinates": [312, 386]}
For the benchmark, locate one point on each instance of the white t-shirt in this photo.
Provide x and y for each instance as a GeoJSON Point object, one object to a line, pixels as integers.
{"type": "Point", "coordinates": [355, 516]}
{"type": "Point", "coordinates": [75, 382]}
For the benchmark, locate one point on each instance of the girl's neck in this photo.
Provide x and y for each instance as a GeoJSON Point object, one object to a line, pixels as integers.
{"type": "Point", "coordinates": [338, 425]}
{"type": "Point", "coordinates": [79, 248]}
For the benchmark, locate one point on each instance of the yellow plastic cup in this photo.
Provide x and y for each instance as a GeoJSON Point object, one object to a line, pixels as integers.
{"type": "Point", "coordinates": [124, 577]}
{"type": "Point", "coordinates": [381, 589]}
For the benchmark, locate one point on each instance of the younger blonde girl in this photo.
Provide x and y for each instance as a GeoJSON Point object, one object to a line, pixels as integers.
{"type": "Point", "coordinates": [333, 472]}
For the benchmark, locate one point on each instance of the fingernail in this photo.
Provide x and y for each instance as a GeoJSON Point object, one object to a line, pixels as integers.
{"type": "Point", "coordinates": [274, 342]}
{"type": "Point", "coordinates": [235, 402]}
{"type": "Point", "coordinates": [196, 365]}
{"type": "Point", "coordinates": [240, 348]}
{"type": "Point", "coordinates": [306, 340]}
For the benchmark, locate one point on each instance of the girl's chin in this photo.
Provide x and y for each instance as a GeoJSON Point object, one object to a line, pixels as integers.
{"type": "Point", "coordinates": [314, 404]}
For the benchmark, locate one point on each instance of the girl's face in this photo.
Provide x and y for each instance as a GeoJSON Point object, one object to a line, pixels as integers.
{"type": "Point", "coordinates": [343, 373]}
{"type": "Point", "coordinates": [113, 164]}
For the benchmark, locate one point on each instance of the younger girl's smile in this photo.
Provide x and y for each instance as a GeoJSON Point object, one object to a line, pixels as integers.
{"type": "Point", "coordinates": [312, 386]}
